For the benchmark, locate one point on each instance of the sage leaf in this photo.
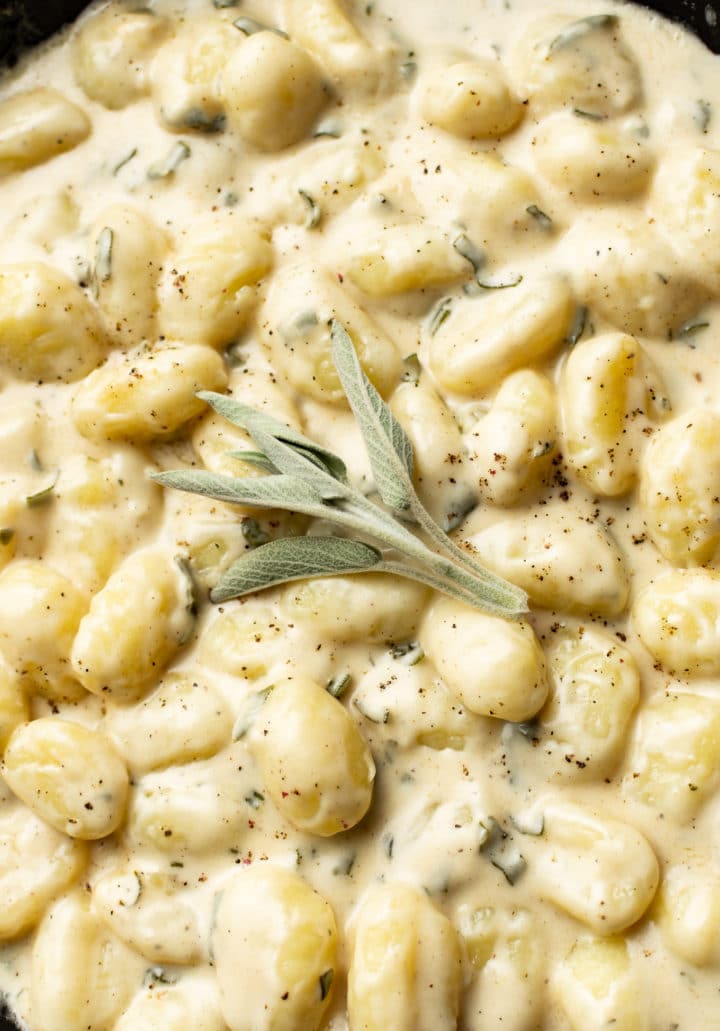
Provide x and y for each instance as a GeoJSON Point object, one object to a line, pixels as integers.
{"type": "Point", "coordinates": [388, 446]}
{"type": "Point", "coordinates": [289, 492]}
{"type": "Point", "coordinates": [250, 419]}
{"type": "Point", "coordinates": [294, 558]}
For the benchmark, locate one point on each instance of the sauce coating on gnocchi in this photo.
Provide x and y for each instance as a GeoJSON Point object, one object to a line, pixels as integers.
{"type": "Point", "coordinates": [351, 803]}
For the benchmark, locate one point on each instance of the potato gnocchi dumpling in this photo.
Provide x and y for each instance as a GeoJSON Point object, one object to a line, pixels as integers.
{"type": "Point", "coordinates": [496, 668]}
{"type": "Point", "coordinates": [597, 986]}
{"type": "Point", "coordinates": [324, 28]}
{"type": "Point", "coordinates": [609, 395]}
{"type": "Point", "coordinates": [314, 761]}
{"type": "Point", "coordinates": [273, 91]}
{"type": "Point", "coordinates": [484, 339]}
{"type": "Point", "coordinates": [111, 52]}
{"type": "Point", "coordinates": [275, 947]}
{"type": "Point", "coordinates": [470, 99]}
{"type": "Point", "coordinates": [405, 963]}
{"type": "Point", "coordinates": [582, 63]}
{"type": "Point", "coordinates": [37, 863]}
{"type": "Point", "coordinates": [38, 125]}
{"type": "Point", "coordinates": [295, 321]}
{"type": "Point", "coordinates": [594, 691]}
{"type": "Point", "coordinates": [677, 617]}
{"type": "Point", "coordinates": [49, 330]}
{"type": "Point", "coordinates": [688, 909]}
{"type": "Point", "coordinates": [678, 488]}
{"type": "Point", "coordinates": [512, 446]}
{"type": "Point", "coordinates": [395, 259]}
{"type": "Point", "coordinates": [674, 764]}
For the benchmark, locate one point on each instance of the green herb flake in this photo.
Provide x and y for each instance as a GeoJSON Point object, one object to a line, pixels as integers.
{"type": "Point", "coordinates": [196, 118]}
{"type": "Point", "coordinates": [338, 685]}
{"type": "Point", "coordinates": [103, 255]}
{"type": "Point", "coordinates": [439, 315]}
{"type": "Point", "coordinates": [329, 127]}
{"type": "Point", "coordinates": [314, 216]}
{"type": "Point", "coordinates": [249, 26]}
{"type": "Point", "coordinates": [345, 865]}
{"type": "Point", "coordinates": [499, 284]}
{"type": "Point", "coordinates": [578, 326]}
{"type": "Point", "coordinates": [500, 850]}
{"type": "Point", "coordinates": [409, 652]}
{"type": "Point", "coordinates": [124, 160]}
{"type": "Point", "coordinates": [326, 981]}
{"type": "Point", "coordinates": [252, 705]}
{"type": "Point", "coordinates": [408, 70]}
{"type": "Point", "coordinates": [168, 165]}
{"type": "Point", "coordinates": [591, 116]}
{"type": "Point", "coordinates": [470, 251]}
{"type": "Point", "coordinates": [6, 535]}
{"type": "Point", "coordinates": [691, 329]}
{"type": "Point", "coordinates": [253, 532]}
{"type": "Point", "coordinates": [412, 369]}
{"type": "Point", "coordinates": [542, 219]}
{"type": "Point", "coordinates": [388, 844]}
{"type": "Point", "coordinates": [158, 975]}
{"type": "Point", "coordinates": [382, 716]}
{"type": "Point", "coordinates": [43, 496]}
{"type": "Point", "coordinates": [255, 799]}
{"type": "Point", "coordinates": [580, 28]}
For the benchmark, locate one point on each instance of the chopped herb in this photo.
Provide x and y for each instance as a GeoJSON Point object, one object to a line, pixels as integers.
{"type": "Point", "coordinates": [124, 160]}
{"type": "Point", "coordinates": [299, 324]}
{"type": "Point", "coordinates": [255, 799]}
{"type": "Point", "coordinates": [409, 651]}
{"type": "Point", "coordinates": [470, 251]}
{"type": "Point", "coordinates": [388, 843]}
{"type": "Point", "coordinates": [501, 852]}
{"type": "Point", "coordinates": [592, 116]}
{"type": "Point", "coordinates": [578, 326]}
{"type": "Point", "coordinates": [439, 315]}
{"type": "Point", "coordinates": [382, 716]}
{"type": "Point", "coordinates": [168, 165]}
{"type": "Point", "coordinates": [253, 704]}
{"type": "Point", "coordinates": [252, 532]}
{"type": "Point", "coordinates": [226, 3]}
{"type": "Point", "coordinates": [338, 685]}
{"type": "Point", "coordinates": [34, 461]}
{"type": "Point", "coordinates": [529, 729]}
{"type": "Point", "coordinates": [412, 369]}
{"type": "Point", "coordinates": [487, 284]}
{"type": "Point", "coordinates": [462, 505]}
{"type": "Point", "coordinates": [580, 28]}
{"type": "Point", "coordinates": [42, 497]}
{"type": "Point", "coordinates": [328, 127]}
{"type": "Point", "coordinates": [158, 975]}
{"type": "Point", "coordinates": [250, 26]}
{"type": "Point", "coordinates": [326, 981]}
{"type": "Point", "coordinates": [310, 479]}
{"type": "Point", "coordinates": [314, 213]}
{"type": "Point", "coordinates": [539, 215]}
{"type": "Point", "coordinates": [196, 118]}
{"type": "Point", "coordinates": [103, 255]}
{"type": "Point", "coordinates": [6, 535]}
{"type": "Point", "coordinates": [690, 329]}
{"type": "Point", "coordinates": [703, 115]}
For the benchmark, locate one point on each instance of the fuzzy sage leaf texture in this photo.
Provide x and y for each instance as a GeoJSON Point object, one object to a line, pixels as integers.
{"type": "Point", "coordinates": [302, 476]}
{"type": "Point", "coordinates": [294, 558]}
{"type": "Point", "coordinates": [389, 450]}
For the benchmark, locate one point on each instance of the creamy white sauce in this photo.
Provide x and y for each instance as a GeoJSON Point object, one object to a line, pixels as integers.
{"type": "Point", "coordinates": [443, 772]}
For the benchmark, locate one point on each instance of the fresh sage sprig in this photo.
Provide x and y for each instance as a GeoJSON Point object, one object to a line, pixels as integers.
{"type": "Point", "coordinates": [304, 477]}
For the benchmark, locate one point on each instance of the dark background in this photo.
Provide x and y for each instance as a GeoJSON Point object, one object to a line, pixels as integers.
{"type": "Point", "coordinates": [24, 23]}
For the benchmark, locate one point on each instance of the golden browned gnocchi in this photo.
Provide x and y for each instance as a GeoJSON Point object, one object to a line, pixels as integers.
{"type": "Point", "coordinates": [359, 519]}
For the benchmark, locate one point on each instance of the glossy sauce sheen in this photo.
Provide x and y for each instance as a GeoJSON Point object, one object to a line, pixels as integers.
{"type": "Point", "coordinates": [497, 825]}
